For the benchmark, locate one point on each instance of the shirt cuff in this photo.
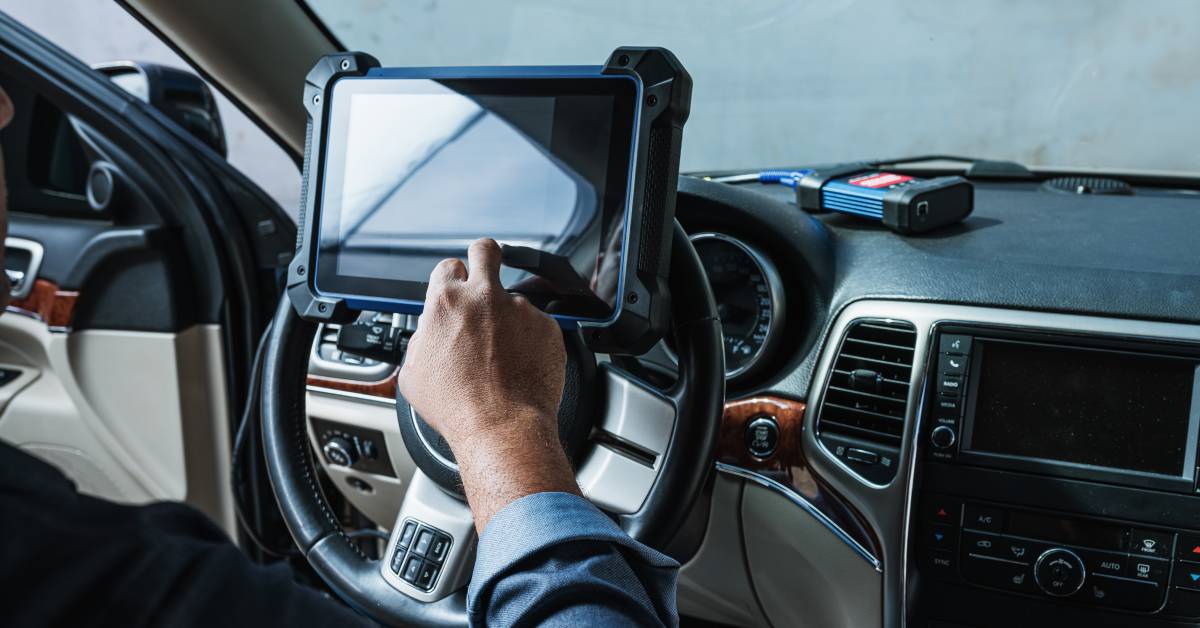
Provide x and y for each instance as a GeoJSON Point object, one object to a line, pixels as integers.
{"type": "Point", "coordinates": [541, 520]}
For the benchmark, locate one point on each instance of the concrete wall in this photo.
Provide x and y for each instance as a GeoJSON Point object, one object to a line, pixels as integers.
{"type": "Point", "coordinates": [1107, 83]}
{"type": "Point", "coordinates": [1086, 83]}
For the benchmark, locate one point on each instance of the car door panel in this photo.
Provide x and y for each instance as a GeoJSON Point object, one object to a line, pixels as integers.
{"type": "Point", "coordinates": [136, 335]}
{"type": "Point", "coordinates": [118, 411]}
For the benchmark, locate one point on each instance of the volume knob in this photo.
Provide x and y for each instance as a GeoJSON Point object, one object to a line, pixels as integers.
{"type": "Point", "coordinates": [942, 437]}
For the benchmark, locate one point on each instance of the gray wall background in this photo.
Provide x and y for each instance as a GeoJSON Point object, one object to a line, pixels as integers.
{"type": "Point", "coordinates": [99, 30]}
{"type": "Point", "coordinates": [1082, 83]}
{"type": "Point", "coordinates": [1103, 83]}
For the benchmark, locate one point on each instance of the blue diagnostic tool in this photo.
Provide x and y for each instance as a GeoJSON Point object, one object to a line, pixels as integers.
{"type": "Point", "coordinates": [903, 203]}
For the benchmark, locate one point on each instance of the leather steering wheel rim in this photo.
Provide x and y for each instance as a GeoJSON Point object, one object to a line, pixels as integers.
{"type": "Point", "coordinates": [698, 397]}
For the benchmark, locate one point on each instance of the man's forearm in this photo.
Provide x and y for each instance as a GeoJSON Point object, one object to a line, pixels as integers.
{"type": "Point", "coordinates": [518, 460]}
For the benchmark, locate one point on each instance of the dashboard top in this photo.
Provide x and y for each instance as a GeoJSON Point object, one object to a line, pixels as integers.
{"type": "Point", "coordinates": [1025, 247]}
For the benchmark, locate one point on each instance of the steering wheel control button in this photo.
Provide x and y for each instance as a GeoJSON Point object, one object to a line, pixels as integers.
{"type": "Point", "coordinates": [1059, 572]}
{"type": "Point", "coordinates": [412, 569]}
{"type": "Point", "coordinates": [983, 518]}
{"type": "Point", "coordinates": [438, 548]}
{"type": "Point", "coordinates": [954, 344]}
{"type": "Point", "coordinates": [407, 534]}
{"type": "Point", "coordinates": [1151, 543]}
{"type": "Point", "coordinates": [424, 540]}
{"type": "Point", "coordinates": [942, 437]}
{"type": "Point", "coordinates": [426, 576]}
{"type": "Point", "coordinates": [397, 560]}
{"type": "Point", "coordinates": [762, 436]}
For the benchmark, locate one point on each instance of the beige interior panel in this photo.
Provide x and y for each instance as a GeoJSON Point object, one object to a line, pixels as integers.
{"type": "Point", "coordinates": [714, 585]}
{"type": "Point", "coordinates": [118, 411]}
{"type": "Point", "coordinates": [803, 574]}
{"type": "Point", "coordinates": [382, 503]}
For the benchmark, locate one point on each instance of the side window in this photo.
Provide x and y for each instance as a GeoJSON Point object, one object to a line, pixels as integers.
{"type": "Point", "coordinates": [98, 32]}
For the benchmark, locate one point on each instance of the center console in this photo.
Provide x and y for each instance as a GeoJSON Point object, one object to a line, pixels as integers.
{"type": "Point", "coordinates": [1057, 481]}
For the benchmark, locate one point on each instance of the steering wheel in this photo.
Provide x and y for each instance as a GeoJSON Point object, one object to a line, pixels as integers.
{"type": "Point", "coordinates": [642, 454]}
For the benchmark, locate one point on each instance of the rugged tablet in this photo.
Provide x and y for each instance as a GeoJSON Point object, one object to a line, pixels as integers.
{"type": "Point", "coordinates": [571, 168]}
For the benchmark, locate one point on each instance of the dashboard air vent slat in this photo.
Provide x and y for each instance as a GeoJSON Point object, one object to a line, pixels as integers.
{"type": "Point", "coordinates": [866, 397]}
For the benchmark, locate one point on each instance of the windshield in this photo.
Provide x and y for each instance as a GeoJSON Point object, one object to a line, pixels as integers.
{"type": "Point", "coordinates": [1083, 85]}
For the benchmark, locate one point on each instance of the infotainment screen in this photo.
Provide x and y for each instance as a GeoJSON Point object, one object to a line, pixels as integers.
{"type": "Point", "coordinates": [417, 168]}
{"type": "Point", "coordinates": [1088, 407]}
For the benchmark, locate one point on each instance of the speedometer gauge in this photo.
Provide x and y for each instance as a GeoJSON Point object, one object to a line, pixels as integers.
{"type": "Point", "coordinates": [749, 295]}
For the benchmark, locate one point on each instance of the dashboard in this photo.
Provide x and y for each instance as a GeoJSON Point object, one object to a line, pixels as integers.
{"type": "Point", "coordinates": [870, 472]}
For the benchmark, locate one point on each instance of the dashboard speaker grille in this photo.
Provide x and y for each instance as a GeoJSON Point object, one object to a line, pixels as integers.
{"type": "Point", "coordinates": [866, 398]}
{"type": "Point", "coordinates": [1088, 185]}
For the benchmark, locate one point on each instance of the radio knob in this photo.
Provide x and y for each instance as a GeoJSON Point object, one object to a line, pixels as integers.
{"type": "Point", "coordinates": [340, 451]}
{"type": "Point", "coordinates": [1059, 572]}
{"type": "Point", "coordinates": [942, 437]}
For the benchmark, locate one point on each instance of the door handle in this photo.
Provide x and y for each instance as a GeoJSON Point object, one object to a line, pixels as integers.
{"type": "Point", "coordinates": [22, 260]}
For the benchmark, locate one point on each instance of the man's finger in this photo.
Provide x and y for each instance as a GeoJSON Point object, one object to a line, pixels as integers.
{"type": "Point", "coordinates": [446, 271]}
{"type": "Point", "coordinates": [6, 109]}
{"type": "Point", "coordinates": [483, 260]}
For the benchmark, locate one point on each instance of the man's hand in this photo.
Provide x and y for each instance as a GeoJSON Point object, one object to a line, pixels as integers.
{"type": "Point", "coordinates": [485, 369]}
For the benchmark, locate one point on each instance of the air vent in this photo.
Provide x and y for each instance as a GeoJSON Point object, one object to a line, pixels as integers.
{"type": "Point", "coordinates": [861, 418]}
{"type": "Point", "coordinates": [1088, 185]}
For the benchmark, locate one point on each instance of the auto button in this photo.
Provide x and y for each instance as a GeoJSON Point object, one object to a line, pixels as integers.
{"type": "Point", "coordinates": [1105, 563]}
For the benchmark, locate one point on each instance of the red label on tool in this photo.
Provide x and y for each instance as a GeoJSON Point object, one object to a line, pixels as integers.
{"type": "Point", "coordinates": [878, 180]}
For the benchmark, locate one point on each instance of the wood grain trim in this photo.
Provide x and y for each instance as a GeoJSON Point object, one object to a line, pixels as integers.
{"type": "Point", "coordinates": [789, 465]}
{"type": "Point", "coordinates": [49, 304]}
{"type": "Point", "coordinates": [385, 388]}
{"type": "Point", "coordinates": [731, 443]}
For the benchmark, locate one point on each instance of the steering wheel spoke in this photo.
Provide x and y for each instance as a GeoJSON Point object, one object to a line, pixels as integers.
{"type": "Point", "coordinates": [432, 547]}
{"type": "Point", "coordinates": [628, 443]}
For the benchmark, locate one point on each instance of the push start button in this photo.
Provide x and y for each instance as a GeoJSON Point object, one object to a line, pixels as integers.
{"type": "Point", "coordinates": [762, 436]}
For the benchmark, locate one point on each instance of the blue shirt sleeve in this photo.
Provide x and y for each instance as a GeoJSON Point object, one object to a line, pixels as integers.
{"type": "Point", "coordinates": [553, 559]}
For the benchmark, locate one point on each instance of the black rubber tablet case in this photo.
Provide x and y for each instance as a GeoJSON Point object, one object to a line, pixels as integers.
{"type": "Point", "coordinates": [645, 303]}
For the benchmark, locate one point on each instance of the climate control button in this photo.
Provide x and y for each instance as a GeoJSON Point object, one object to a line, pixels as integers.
{"type": "Point", "coordinates": [1059, 572]}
